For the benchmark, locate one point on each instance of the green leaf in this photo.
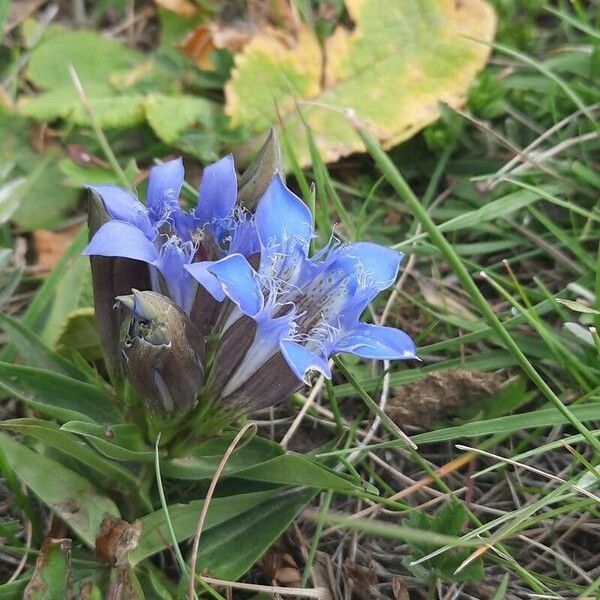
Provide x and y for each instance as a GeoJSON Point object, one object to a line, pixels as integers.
{"type": "Point", "coordinates": [43, 201]}
{"type": "Point", "coordinates": [259, 460]}
{"type": "Point", "coordinates": [60, 293]}
{"type": "Point", "coordinates": [449, 521]}
{"type": "Point", "coordinates": [170, 116]}
{"type": "Point", "coordinates": [123, 441]}
{"type": "Point", "coordinates": [578, 307]}
{"type": "Point", "coordinates": [111, 111]}
{"type": "Point", "coordinates": [78, 175]}
{"type": "Point", "coordinates": [10, 198]}
{"type": "Point", "coordinates": [237, 531]}
{"type": "Point", "coordinates": [155, 534]}
{"type": "Point", "coordinates": [52, 577]}
{"type": "Point", "coordinates": [58, 396]}
{"type": "Point", "coordinates": [230, 550]}
{"type": "Point", "coordinates": [81, 334]}
{"type": "Point", "coordinates": [51, 434]}
{"type": "Point", "coordinates": [416, 57]}
{"type": "Point", "coordinates": [70, 495]}
{"type": "Point", "coordinates": [33, 351]}
{"type": "Point", "coordinates": [14, 590]}
{"type": "Point", "coordinates": [93, 56]}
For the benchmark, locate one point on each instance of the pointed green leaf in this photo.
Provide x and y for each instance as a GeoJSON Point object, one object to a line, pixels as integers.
{"type": "Point", "coordinates": [33, 351]}
{"type": "Point", "coordinates": [123, 441]}
{"type": "Point", "coordinates": [51, 434]}
{"type": "Point", "coordinates": [52, 577]}
{"type": "Point", "coordinates": [155, 534]}
{"type": "Point", "coordinates": [70, 495]}
{"type": "Point", "coordinates": [230, 550]}
{"type": "Point", "coordinates": [58, 396]}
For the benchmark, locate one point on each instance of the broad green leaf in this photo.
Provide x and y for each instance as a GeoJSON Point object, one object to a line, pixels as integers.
{"type": "Point", "coordinates": [170, 116]}
{"type": "Point", "coordinates": [33, 351]}
{"type": "Point", "coordinates": [202, 461]}
{"type": "Point", "coordinates": [123, 441]}
{"type": "Point", "coordinates": [93, 56]}
{"type": "Point", "coordinates": [258, 460]}
{"type": "Point", "coordinates": [58, 396]}
{"type": "Point", "coordinates": [390, 72]}
{"type": "Point", "coordinates": [111, 111]}
{"type": "Point", "coordinates": [286, 469]}
{"type": "Point", "coordinates": [70, 495]}
{"type": "Point", "coordinates": [155, 534]}
{"type": "Point", "coordinates": [78, 176]}
{"type": "Point", "coordinates": [237, 532]}
{"type": "Point", "coordinates": [81, 334]}
{"type": "Point", "coordinates": [53, 576]}
{"type": "Point", "coordinates": [43, 200]}
{"type": "Point", "coordinates": [51, 434]}
{"type": "Point", "coordinates": [48, 106]}
{"type": "Point", "coordinates": [96, 60]}
{"type": "Point", "coordinates": [230, 550]}
{"type": "Point", "coordinates": [14, 590]}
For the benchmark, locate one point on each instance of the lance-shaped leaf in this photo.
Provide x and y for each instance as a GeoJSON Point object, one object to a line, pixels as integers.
{"type": "Point", "coordinates": [53, 577]}
{"type": "Point", "coordinates": [67, 493]}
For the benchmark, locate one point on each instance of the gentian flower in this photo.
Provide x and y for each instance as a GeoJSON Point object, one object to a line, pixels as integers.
{"type": "Point", "coordinates": [293, 312]}
{"type": "Point", "coordinates": [234, 312]}
{"type": "Point", "coordinates": [167, 238]}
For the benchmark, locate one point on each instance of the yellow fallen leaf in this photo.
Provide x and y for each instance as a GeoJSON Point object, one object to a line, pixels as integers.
{"type": "Point", "coordinates": [390, 73]}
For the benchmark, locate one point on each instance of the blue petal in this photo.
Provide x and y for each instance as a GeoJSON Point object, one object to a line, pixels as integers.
{"type": "Point", "coordinates": [244, 239]}
{"type": "Point", "coordinates": [117, 238]}
{"type": "Point", "coordinates": [282, 219]}
{"type": "Point", "coordinates": [301, 360]}
{"type": "Point", "coordinates": [240, 282]}
{"type": "Point", "coordinates": [171, 263]}
{"type": "Point", "coordinates": [376, 266]}
{"type": "Point", "coordinates": [218, 192]}
{"type": "Point", "coordinates": [164, 187]}
{"type": "Point", "coordinates": [377, 342]}
{"type": "Point", "coordinates": [199, 271]}
{"type": "Point", "coordinates": [124, 206]}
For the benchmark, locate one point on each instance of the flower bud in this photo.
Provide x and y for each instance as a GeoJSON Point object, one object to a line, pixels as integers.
{"type": "Point", "coordinates": [162, 351]}
{"type": "Point", "coordinates": [255, 180]}
{"type": "Point", "coordinates": [111, 276]}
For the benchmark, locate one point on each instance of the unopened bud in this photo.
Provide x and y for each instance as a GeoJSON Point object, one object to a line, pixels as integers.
{"type": "Point", "coordinates": [255, 180]}
{"type": "Point", "coordinates": [162, 351]}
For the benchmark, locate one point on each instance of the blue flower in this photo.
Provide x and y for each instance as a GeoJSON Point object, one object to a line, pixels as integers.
{"type": "Point", "coordinates": [293, 312]}
{"type": "Point", "coordinates": [168, 238]}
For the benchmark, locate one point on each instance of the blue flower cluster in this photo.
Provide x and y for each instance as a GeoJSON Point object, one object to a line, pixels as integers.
{"type": "Point", "coordinates": [247, 280]}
